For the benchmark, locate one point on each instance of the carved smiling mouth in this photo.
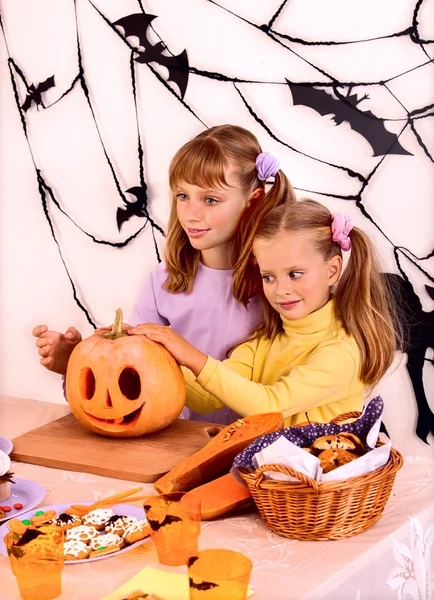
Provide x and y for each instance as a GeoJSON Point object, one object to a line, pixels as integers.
{"type": "Point", "coordinates": [120, 424]}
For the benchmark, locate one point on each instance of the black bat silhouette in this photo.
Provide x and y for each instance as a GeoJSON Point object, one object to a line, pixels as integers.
{"type": "Point", "coordinates": [168, 519]}
{"type": "Point", "coordinates": [137, 24]}
{"type": "Point", "coordinates": [205, 585]}
{"type": "Point", "coordinates": [363, 122]}
{"type": "Point", "coordinates": [34, 93]}
{"type": "Point", "coordinates": [418, 327]}
{"type": "Point", "coordinates": [133, 209]}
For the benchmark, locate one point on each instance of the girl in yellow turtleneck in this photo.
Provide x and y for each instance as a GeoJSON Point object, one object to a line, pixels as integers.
{"type": "Point", "coordinates": [315, 353]}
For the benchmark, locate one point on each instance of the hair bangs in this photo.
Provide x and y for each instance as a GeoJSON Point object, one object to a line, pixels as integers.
{"type": "Point", "coordinates": [201, 162]}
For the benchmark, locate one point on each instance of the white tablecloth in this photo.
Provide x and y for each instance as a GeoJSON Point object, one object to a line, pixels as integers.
{"type": "Point", "coordinates": [392, 560]}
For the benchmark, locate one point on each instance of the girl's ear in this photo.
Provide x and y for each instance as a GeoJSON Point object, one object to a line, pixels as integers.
{"type": "Point", "coordinates": [334, 269]}
{"type": "Point", "coordinates": [256, 195]}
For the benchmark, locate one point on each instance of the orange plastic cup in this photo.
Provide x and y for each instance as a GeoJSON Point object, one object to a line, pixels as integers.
{"type": "Point", "coordinates": [174, 520]}
{"type": "Point", "coordinates": [218, 575]}
{"type": "Point", "coordinates": [36, 559]}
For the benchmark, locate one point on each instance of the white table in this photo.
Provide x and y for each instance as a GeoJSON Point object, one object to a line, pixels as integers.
{"type": "Point", "coordinates": [392, 559]}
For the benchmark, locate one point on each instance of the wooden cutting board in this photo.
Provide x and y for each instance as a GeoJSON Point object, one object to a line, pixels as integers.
{"type": "Point", "coordinates": [65, 444]}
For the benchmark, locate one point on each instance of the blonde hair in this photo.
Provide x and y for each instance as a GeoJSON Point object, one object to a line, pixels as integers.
{"type": "Point", "coordinates": [363, 300]}
{"type": "Point", "coordinates": [203, 161]}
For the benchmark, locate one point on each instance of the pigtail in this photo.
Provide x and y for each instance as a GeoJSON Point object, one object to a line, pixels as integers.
{"type": "Point", "coordinates": [363, 306]}
{"type": "Point", "coordinates": [245, 276]}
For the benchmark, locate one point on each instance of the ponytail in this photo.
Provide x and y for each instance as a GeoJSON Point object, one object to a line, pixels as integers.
{"type": "Point", "coordinates": [363, 306]}
{"type": "Point", "coordinates": [245, 277]}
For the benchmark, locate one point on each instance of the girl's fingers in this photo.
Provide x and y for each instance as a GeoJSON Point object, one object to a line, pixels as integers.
{"type": "Point", "coordinates": [45, 361]}
{"type": "Point", "coordinates": [38, 330]}
{"type": "Point", "coordinates": [42, 342]}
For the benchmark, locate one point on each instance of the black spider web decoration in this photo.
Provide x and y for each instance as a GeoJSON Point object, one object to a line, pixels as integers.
{"type": "Point", "coordinates": [181, 69]}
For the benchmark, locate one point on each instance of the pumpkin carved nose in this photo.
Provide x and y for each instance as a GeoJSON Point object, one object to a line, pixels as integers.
{"type": "Point", "coordinates": [129, 383]}
{"type": "Point", "coordinates": [108, 400]}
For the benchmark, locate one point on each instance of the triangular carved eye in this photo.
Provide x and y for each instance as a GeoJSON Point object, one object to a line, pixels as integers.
{"type": "Point", "coordinates": [87, 383]}
{"type": "Point", "coordinates": [129, 383]}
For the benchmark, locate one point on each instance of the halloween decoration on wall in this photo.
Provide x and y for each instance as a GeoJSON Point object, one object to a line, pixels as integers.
{"type": "Point", "coordinates": [123, 386]}
{"type": "Point", "coordinates": [364, 122]}
{"type": "Point", "coordinates": [383, 134]}
{"type": "Point", "coordinates": [177, 66]}
{"type": "Point", "coordinates": [35, 92]}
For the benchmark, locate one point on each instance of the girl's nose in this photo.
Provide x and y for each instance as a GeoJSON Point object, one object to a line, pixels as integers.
{"type": "Point", "coordinates": [284, 287]}
{"type": "Point", "coordinates": [195, 209]}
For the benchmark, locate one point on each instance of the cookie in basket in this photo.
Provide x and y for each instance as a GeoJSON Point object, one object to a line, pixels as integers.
{"type": "Point", "coordinates": [83, 533]}
{"type": "Point", "coordinates": [137, 531]}
{"type": "Point", "coordinates": [66, 521]}
{"type": "Point", "coordinates": [118, 524]}
{"type": "Point", "coordinates": [334, 442]}
{"type": "Point", "coordinates": [75, 550]}
{"type": "Point", "coordinates": [332, 459]}
{"type": "Point", "coordinates": [98, 518]}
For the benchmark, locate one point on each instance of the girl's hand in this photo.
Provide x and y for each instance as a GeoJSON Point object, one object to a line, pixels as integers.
{"type": "Point", "coordinates": [181, 350]}
{"type": "Point", "coordinates": [55, 348]}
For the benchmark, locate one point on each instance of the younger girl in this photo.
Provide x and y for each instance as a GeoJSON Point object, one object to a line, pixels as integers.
{"type": "Point", "coordinates": [314, 353]}
{"type": "Point", "coordinates": [203, 290]}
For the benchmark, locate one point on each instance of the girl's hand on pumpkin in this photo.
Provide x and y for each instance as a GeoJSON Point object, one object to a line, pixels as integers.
{"type": "Point", "coordinates": [182, 351]}
{"type": "Point", "coordinates": [55, 347]}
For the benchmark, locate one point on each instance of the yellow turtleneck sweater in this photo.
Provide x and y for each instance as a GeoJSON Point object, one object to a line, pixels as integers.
{"type": "Point", "coordinates": [313, 367]}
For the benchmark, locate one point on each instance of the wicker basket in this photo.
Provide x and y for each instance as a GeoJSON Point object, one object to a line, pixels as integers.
{"type": "Point", "coordinates": [313, 510]}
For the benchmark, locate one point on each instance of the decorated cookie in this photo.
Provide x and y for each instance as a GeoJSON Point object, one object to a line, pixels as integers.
{"type": "Point", "coordinates": [83, 533]}
{"type": "Point", "coordinates": [66, 521]}
{"type": "Point", "coordinates": [98, 518]}
{"type": "Point", "coordinates": [107, 540]}
{"type": "Point", "coordinates": [137, 531]}
{"type": "Point", "coordinates": [2, 514]}
{"type": "Point", "coordinates": [17, 526]}
{"type": "Point", "coordinates": [118, 524]}
{"type": "Point", "coordinates": [75, 550]}
{"type": "Point", "coordinates": [42, 517]}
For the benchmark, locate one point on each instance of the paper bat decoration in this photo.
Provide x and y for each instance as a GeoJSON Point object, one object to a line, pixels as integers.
{"type": "Point", "coordinates": [363, 122]}
{"type": "Point", "coordinates": [34, 93]}
{"type": "Point", "coordinates": [133, 209]}
{"type": "Point", "coordinates": [418, 327]}
{"type": "Point", "coordinates": [205, 585]}
{"type": "Point", "coordinates": [137, 24]}
{"type": "Point", "coordinates": [168, 519]}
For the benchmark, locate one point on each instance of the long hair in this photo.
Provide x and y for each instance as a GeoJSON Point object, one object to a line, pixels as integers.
{"type": "Point", "coordinates": [203, 161]}
{"type": "Point", "coordinates": [363, 301]}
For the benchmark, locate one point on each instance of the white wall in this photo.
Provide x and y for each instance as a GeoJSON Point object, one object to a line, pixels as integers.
{"type": "Point", "coordinates": [66, 148]}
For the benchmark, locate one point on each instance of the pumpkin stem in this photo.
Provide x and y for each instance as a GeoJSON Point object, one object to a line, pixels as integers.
{"type": "Point", "coordinates": [116, 331]}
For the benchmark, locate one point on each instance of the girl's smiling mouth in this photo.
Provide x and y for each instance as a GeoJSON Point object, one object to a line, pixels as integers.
{"type": "Point", "coordinates": [196, 233]}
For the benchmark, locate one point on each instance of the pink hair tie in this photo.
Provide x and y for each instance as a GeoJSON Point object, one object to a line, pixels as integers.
{"type": "Point", "coordinates": [341, 227]}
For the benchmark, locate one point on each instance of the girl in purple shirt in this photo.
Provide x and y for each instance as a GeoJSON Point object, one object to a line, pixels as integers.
{"type": "Point", "coordinates": [205, 287]}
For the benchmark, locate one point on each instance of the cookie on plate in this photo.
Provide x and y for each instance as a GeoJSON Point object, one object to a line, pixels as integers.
{"type": "Point", "coordinates": [75, 550]}
{"type": "Point", "coordinates": [83, 533]}
{"type": "Point", "coordinates": [66, 521]}
{"type": "Point", "coordinates": [137, 531]}
{"type": "Point", "coordinates": [119, 523]}
{"type": "Point", "coordinates": [97, 518]}
{"type": "Point", "coordinates": [110, 542]}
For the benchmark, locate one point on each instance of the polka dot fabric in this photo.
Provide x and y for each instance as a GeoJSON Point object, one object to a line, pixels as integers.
{"type": "Point", "coordinates": [305, 436]}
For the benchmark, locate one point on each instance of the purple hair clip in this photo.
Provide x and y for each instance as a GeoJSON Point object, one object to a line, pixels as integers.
{"type": "Point", "coordinates": [266, 165]}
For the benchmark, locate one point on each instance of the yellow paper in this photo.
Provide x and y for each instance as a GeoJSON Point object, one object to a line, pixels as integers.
{"type": "Point", "coordinates": [170, 586]}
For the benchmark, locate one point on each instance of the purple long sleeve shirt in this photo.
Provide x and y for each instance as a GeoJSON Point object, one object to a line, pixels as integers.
{"type": "Point", "coordinates": [210, 318]}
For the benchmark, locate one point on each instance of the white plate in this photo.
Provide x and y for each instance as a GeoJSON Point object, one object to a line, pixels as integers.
{"type": "Point", "coordinates": [119, 509]}
{"type": "Point", "coordinates": [28, 493]}
{"type": "Point", "coordinates": [6, 445]}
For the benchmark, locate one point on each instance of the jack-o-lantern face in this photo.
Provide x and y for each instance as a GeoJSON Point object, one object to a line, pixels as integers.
{"type": "Point", "coordinates": [125, 387]}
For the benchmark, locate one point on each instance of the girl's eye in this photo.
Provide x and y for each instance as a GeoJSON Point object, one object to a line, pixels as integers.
{"type": "Point", "coordinates": [295, 274]}
{"type": "Point", "coordinates": [211, 201]}
{"type": "Point", "coordinates": [181, 196]}
{"type": "Point", "coordinates": [267, 278]}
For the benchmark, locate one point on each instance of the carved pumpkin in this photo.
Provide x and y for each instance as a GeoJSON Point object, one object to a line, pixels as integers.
{"type": "Point", "coordinates": [123, 386]}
